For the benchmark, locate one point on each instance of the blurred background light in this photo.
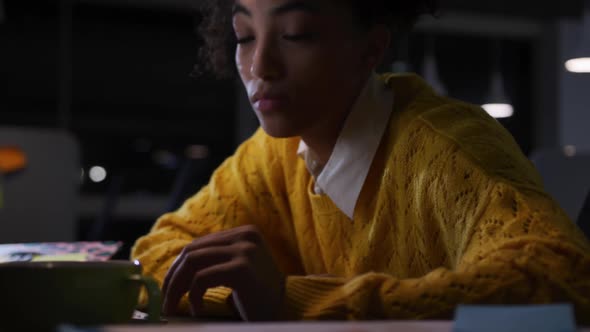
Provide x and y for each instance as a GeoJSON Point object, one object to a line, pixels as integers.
{"type": "Point", "coordinates": [97, 174]}
{"type": "Point", "coordinates": [580, 61]}
{"type": "Point", "coordinates": [569, 150]}
{"type": "Point", "coordinates": [499, 110]}
{"type": "Point", "coordinates": [578, 65]}
{"type": "Point", "coordinates": [197, 152]}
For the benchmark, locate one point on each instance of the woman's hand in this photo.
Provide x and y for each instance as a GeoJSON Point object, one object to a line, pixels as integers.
{"type": "Point", "coordinates": [237, 258]}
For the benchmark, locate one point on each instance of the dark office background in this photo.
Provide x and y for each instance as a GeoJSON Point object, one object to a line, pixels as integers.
{"type": "Point", "coordinates": [116, 74]}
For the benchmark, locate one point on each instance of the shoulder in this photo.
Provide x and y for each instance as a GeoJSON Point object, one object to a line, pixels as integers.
{"type": "Point", "coordinates": [465, 128]}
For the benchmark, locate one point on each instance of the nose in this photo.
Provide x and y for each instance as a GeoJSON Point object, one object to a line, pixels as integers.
{"type": "Point", "coordinates": [266, 62]}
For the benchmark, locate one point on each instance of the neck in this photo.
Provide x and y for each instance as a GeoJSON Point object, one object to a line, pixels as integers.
{"type": "Point", "coordinates": [321, 142]}
{"type": "Point", "coordinates": [322, 137]}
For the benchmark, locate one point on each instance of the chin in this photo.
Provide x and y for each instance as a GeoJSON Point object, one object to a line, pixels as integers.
{"type": "Point", "coordinates": [279, 130]}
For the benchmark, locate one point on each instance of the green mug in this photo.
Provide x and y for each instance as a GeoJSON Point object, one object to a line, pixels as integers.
{"type": "Point", "coordinates": [42, 295]}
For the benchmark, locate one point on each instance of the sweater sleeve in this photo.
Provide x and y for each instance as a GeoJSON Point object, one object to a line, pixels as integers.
{"type": "Point", "coordinates": [508, 243]}
{"type": "Point", "coordinates": [238, 190]}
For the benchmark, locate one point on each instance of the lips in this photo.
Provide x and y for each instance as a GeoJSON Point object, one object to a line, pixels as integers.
{"type": "Point", "coordinates": [269, 105]}
{"type": "Point", "coordinates": [266, 102]}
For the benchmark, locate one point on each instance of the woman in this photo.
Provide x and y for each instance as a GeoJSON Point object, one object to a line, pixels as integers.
{"type": "Point", "coordinates": [362, 196]}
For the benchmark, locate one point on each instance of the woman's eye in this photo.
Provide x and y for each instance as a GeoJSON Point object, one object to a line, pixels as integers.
{"type": "Point", "coordinates": [245, 40]}
{"type": "Point", "coordinates": [298, 37]}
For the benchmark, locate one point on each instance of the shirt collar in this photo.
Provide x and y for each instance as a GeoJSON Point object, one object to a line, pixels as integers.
{"type": "Point", "coordinates": [344, 174]}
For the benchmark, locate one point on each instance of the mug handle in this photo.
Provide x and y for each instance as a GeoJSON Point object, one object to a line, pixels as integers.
{"type": "Point", "coordinates": [154, 296]}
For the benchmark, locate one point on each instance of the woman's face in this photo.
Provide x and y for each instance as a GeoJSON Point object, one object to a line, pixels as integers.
{"type": "Point", "coordinates": [303, 63]}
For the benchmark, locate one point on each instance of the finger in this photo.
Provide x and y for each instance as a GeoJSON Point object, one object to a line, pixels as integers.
{"type": "Point", "coordinates": [170, 271]}
{"type": "Point", "coordinates": [248, 233]}
{"type": "Point", "coordinates": [230, 274]}
{"type": "Point", "coordinates": [181, 277]}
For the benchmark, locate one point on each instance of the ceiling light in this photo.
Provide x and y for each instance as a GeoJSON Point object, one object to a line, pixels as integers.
{"type": "Point", "coordinates": [578, 65]}
{"type": "Point", "coordinates": [580, 61]}
{"type": "Point", "coordinates": [499, 111]}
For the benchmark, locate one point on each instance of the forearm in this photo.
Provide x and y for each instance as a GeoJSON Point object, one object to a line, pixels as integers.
{"type": "Point", "coordinates": [518, 273]}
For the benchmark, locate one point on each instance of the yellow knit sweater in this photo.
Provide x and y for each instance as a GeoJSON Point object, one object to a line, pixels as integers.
{"type": "Point", "coordinates": [451, 212]}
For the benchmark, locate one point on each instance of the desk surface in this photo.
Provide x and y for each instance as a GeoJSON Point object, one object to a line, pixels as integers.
{"type": "Point", "coordinates": [292, 327]}
{"type": "Point", "coordinates": [405, 326]}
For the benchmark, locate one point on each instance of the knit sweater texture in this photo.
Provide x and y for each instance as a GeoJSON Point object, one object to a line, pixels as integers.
{"type": "Point", "coordinates": [451, 213]}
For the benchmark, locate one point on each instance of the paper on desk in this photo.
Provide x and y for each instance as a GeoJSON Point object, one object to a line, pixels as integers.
{"type": "Point", "coordinates": [538, 318]}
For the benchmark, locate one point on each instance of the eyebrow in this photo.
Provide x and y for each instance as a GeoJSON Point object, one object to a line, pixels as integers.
{"type": "Point", "coordinates": [304, 6]}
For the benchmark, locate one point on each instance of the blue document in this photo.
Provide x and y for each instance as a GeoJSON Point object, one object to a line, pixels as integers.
{"type": "Point", "coordinates": [538, 318]}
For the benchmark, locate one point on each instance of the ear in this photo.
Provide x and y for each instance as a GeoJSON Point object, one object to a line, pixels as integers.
{"type": "Point", "coordinates": [379, 38]}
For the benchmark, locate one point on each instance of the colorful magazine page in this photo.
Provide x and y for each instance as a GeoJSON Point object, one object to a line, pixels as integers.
{"type": "Point", "coordinates": [58, 251]}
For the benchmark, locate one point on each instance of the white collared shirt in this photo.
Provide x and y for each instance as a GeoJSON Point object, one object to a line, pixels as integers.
{"type": "Point", "coordinates": [344, 174]}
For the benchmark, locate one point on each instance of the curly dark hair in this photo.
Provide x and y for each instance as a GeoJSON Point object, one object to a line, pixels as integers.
{"type": "Point", "coordinates": [217, 54]}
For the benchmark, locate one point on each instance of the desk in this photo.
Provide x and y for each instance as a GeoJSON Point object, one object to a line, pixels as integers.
{"type": "Point", "coordinates": [392, 326]}
{"type": "Point", "coordinates": [432, 326]}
